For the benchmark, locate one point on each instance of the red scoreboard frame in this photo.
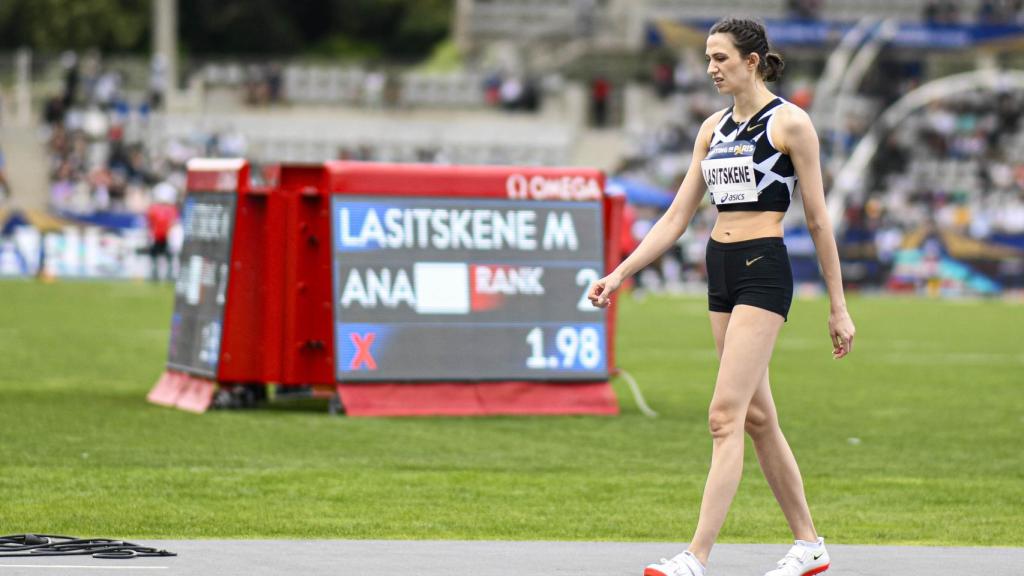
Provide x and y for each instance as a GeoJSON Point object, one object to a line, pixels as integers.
{"type": "Point", "coordinates": [279, 315]}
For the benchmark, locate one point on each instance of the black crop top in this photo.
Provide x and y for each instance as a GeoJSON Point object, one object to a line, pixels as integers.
{"type": "Point", "coordinates": [742, 162]}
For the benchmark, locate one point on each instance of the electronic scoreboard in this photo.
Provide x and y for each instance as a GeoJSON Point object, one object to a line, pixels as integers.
{"type": "Point", "coordinates": [200, 290]}
{"type": "Point", "coordinates": [445, 289]}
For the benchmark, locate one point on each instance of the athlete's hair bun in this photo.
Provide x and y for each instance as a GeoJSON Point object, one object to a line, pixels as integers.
{"type": "Point", "coordinates": [773, 67]}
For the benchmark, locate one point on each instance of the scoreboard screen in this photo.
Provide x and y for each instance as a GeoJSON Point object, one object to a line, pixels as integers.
{"type": "Point", "coordinates": [429, 288]}
{"type": "Point", "coordinates": [199, 293]}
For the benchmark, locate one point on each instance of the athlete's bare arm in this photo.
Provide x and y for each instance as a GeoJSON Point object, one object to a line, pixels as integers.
{"type": "Point", "coordinates": [669, 227]}
{"type": "Point", "coordinates": [795, 135]}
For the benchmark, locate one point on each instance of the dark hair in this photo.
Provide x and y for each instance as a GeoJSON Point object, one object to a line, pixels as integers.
{"type": "Point", "coordinates": [749, 38]}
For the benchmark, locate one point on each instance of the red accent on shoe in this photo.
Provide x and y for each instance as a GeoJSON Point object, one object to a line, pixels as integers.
{"type": "Point", "coordinates": [817, 570]}
{"type": "Point", "coordinates": [653, 572]}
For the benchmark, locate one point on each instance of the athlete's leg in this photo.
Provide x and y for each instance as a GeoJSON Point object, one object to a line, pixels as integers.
{"type": "Point", "coordinates": [719, 324]}
{"type": "Point", "coordinates": [773, 452]}
{"type": "Point", "coordinates": [747, 348]}
{"type": "Point", "coordinates": [778, 463]}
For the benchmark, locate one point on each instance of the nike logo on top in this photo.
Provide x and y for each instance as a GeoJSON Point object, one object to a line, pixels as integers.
{"type": "Point", "coordinates": [749, 128]}
{"type": "Point", "coordinates": [820, 554]}
{"type": "Point", "coordinates": [749, 262]}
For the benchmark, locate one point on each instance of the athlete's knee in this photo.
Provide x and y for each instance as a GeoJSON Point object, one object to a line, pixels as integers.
{"type": "Point", "coordinates": [723, 421]}
{"type": "Point", "coordinates": [760, 423]}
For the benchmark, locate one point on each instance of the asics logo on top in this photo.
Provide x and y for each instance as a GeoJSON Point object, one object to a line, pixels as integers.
{"type": "Point", "coordinates": [749, 262]}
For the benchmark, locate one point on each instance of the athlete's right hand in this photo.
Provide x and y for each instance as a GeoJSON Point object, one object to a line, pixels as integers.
{"type": "Point", "coordinates": [601, 291]}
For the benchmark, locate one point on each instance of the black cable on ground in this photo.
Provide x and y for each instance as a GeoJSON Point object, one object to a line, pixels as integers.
{"type": "Point", "coordinates": [20, 545]}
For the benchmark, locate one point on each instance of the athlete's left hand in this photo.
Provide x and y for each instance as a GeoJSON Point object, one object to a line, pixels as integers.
{"type": "Point", "coordinates": [840, 328]}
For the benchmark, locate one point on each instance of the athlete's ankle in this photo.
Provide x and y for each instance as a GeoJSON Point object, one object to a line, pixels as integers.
{"type": "Point", "coordinates": [701, 557]}
{"type": "Point", "coordinates": [811, 543]}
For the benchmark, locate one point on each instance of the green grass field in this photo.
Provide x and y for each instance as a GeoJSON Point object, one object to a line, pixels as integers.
{"type": "Point", "coordinates": [934, 391]}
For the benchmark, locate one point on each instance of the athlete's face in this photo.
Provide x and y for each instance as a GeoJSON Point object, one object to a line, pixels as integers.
{"type": "Point", "coordinates": [728, 69]}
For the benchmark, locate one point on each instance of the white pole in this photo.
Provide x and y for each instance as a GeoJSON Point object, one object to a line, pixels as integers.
{"type": "Point", "coordinates": [23, 87]}
{"type": "Point", "coordinates": [165, 45]}
{"type": "Point", "coordinates": [850, 178]}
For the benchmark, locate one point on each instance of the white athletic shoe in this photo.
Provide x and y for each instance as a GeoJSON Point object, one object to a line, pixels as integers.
{"type": "Point", "coordinates": [803, 561]}
{"type": "Point", "coordinates": [685, 564]}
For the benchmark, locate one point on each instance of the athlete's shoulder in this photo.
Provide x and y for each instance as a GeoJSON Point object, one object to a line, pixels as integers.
{"type": "Point", "coordinates": [790, 116]}
{"type": "Point", "coordinates": [791, 126]}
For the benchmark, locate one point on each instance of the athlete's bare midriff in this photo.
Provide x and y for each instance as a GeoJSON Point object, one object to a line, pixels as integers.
{"type": "Point", "coordinates": [740, 226]}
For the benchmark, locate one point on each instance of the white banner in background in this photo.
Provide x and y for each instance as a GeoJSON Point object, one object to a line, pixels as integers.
{"type": "Point", "coordinates": [75, 252]}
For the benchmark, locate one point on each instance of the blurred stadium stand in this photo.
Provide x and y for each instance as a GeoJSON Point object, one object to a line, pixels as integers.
{"type": "Point", "coordinates": [616, 84]}
{"type": "Point", "coordinates": [366, 135]}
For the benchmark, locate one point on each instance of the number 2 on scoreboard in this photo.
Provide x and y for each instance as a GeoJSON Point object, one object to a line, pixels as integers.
{"type": "Point", "coordinates": [585, 277]}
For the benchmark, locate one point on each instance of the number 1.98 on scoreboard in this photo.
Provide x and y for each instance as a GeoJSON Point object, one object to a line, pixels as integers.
{"type": "Point", "coordinates": [466, 289]}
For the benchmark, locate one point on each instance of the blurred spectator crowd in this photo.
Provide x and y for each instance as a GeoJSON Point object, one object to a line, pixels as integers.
{"type": "Point", "coordinates": [98, 161]}
{"type": "Point", "coordinates": [955, 166]}
{"type": "Point", "coordinates": [98, 131]}
{"type": "Point", "coordinates": [958, 164]}
{"type": "Point", "coordinates": [98, 138]}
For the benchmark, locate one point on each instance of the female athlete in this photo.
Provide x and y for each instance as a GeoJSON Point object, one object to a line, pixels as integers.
{"type": "Point", "coordinates": [749, 157]}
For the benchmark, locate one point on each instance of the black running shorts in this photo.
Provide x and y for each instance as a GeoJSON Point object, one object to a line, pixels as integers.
{"type": "Point", "coordinates": [753, 272]}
